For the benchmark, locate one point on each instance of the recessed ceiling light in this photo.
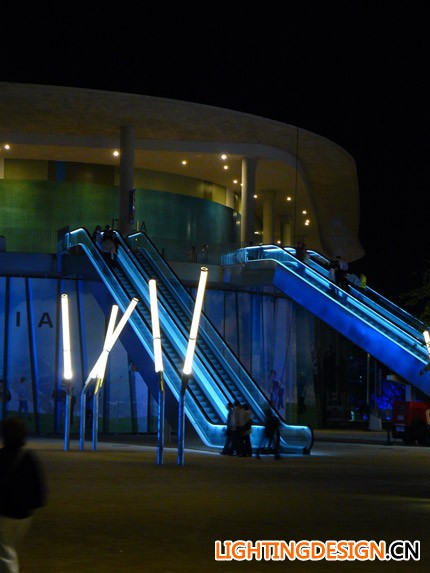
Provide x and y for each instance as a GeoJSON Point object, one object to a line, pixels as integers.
{"type": "Point", "coordinates": [184, 162]}
{"type": "Point", "coordinates": [7, 146]}
{"type": "Point", "coordinates": [223, 157]}
{"type": "Point", "coordinates": [225, 167]}
{"type": "Point", "coordinates": [115, 153]}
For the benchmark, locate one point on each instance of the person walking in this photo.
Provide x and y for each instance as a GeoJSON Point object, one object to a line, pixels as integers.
{"type": "Point", "coordinates": [271, 435]}
{"type": "Point", "coordinates": [22, 490]}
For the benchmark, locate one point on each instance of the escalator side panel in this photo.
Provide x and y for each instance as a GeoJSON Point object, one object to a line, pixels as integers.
{"type": "Point", "coordinates": [352, 327]}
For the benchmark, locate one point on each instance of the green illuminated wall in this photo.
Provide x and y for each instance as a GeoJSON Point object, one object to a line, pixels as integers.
{"type": "Point", "coordinates": [37, 198]}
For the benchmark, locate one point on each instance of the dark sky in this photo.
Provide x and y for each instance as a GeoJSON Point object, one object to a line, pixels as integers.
{"type": "Point", "coordinates": [356, 72]}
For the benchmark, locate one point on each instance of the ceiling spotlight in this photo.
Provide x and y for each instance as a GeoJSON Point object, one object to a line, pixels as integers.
{"type": "Point", "coordinates": [184, 162]}
{"type": "Point", "coordinates": [115, 153]}
{"type": "Point", "coordinates": [223, 157]}
{"type": "Point", "coordinates": [7, 146]}
{"type": "Point", "coordinates": [225, 167]}
{"type": "Point", "coordinates": [304, 212]}
{"type": "Point", "coordinates": [289, 198]}
{"type": "Point", "coordinates": [307, 222]}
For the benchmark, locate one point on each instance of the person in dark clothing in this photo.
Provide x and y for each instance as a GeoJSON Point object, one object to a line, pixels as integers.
{"type": "Point", "coordinates": [271, 434]}
{"type": "Point", "coordinates": [22, 490]}
{"type": "Point", "coordinates": [228, 445]}
{"type": "Point", "coordinates": [109, 249]}
{"type": "Point", "coordinates": [245, 431]}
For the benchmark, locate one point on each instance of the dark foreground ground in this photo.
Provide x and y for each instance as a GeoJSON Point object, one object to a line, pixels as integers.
{"type": "Point", "coordinates": [114, 510]}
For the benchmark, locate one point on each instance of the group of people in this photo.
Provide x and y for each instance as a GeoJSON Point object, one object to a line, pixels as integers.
{"type": "Point", "coordinates": [22, 394]}
{"type": "Point", "coordinates": [340, 275]}
{"type": "Point", "coordinates": [201, 256]}
{"type": "Point", "coordinates": [107, 242]}
{"type": "Point", "coordinates": [239, 429]}
{"type": "Point", "coordinates": [338, 269]}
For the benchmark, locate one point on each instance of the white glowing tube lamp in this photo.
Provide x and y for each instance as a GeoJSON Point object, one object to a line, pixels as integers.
{"type": "Point", "coordinates": [67, 352]}
{"type": "Point", "coordinates": [156, 334]}
{"type": "Point", "coordinates": [195, 322]}
{"type": "Point", "coordinates": [426, 335]}
{"type": "Point", "coordinates": [100, 365]}
{"type": "Point", "coordinates": [111, 337]}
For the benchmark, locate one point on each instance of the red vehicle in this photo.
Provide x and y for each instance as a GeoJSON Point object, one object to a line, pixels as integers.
{"type": "Point", "coordinates": [411, 422]}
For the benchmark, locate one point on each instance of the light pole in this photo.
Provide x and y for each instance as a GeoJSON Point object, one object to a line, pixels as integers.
{"type": "Point", "coordinates": [99, 369]}
{"type": "Point", "coordinates": [67, 366]}
{"type": "Point", "coordinates": [188, 364]}
{"type": "Point", "coordinates": [158, 364]}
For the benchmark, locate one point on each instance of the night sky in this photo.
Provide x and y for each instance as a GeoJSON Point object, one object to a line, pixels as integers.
{"type": "Point", "coordinates": [356, 72]}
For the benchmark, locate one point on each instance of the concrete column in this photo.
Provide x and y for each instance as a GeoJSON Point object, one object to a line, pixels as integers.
{"type": "Point", "coordinates": [248, 202]}
{"type": "Point", "coordinates": [286, 233]}
{"type": "Point", "coordinates": [126, 181]}
{"type": "Point", "coordinates": [268, 217]}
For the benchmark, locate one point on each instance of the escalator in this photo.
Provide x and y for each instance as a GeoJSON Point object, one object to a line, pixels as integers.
{"type": "Point", "coordinates": [218, 377]}
{"type": "Point", "coordinates": [371, 322]}
{"type": "Point", "coordinates": [374, 300]}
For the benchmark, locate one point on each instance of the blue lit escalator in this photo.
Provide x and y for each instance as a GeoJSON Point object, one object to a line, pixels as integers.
{"type": "Point", "coordinates": [217, 377]}
{"type": "Point", "coordinates": [373, 323]}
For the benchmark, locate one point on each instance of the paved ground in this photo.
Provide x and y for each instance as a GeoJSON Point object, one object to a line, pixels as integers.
{"type": "Point", "coordinates": [114, 510]}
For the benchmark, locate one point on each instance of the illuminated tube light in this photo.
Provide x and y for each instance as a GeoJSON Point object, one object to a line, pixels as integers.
{"type": "Point", "coordinates": [426, 335]}
{"type": "Point", "coordinates": [121, 323]}
{"type": "Point", "coordinates": [156, 334]}
{"type": "Point", "coordinates": [195, 323]}
{"type": "Point", "coordinates": [111, 337]}
{"type": "Point", "coordinates": [67, 353]}
{"type": "Point", "coordinates": [100, 365]}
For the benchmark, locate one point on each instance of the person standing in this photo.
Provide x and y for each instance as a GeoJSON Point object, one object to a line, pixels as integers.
{"type": "Point", "coordinates": [22, 398]}
{"type": "Point", "coordinates": [109, 249]}
{"type": "Point", "coordinates": [22, 491]}
{"type": "Point", "coordinates": [230, 427]}
{"type": "Point", "coordinates": [271, 434]}
{"type": "Point", "coordinates": [246, 430]}
{"type": "Point", "coordinates": [341, 272]}
{"type": "Point", "coordinates": [97, 236]}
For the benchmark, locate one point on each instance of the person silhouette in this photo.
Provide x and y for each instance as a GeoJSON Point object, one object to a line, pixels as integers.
{"type": "Point", "coordinates": [22, 490]}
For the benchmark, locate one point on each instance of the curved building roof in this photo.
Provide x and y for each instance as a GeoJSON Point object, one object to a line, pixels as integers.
{"type": "Point", "coordinates": [83, 125]}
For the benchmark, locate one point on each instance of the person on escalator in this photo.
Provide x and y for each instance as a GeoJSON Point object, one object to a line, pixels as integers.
{"type": "Point", "coordinates": [300, 251]}
{"type": "Point", "coordinates": [109, 249]}
{"type": "Point", "coordinates": [363, 281]}
{"type": "Point", "coordinates": [341, 272]}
